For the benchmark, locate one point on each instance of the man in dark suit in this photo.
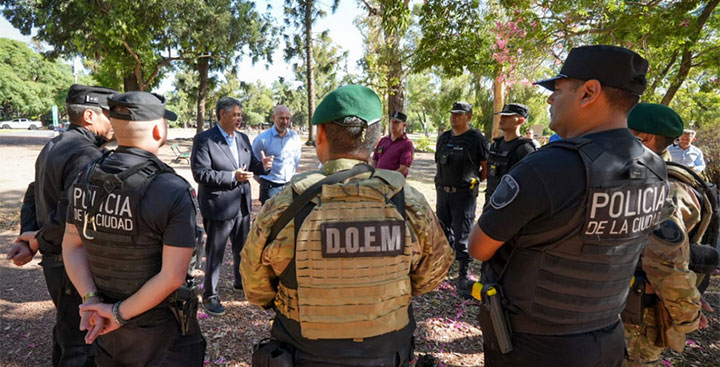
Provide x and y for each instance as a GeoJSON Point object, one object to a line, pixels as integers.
{"type": "Point", "coordinates": [222, 163]}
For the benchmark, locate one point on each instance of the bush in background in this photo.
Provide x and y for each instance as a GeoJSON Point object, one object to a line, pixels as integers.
{"type": "Point", "coordinates": [708, 140]}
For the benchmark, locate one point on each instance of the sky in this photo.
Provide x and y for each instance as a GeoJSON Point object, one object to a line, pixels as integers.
{"type": "Point", "coordinates": [340, 26]}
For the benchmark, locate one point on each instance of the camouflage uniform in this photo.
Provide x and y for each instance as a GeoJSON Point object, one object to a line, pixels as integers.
{"type": "Point", "coordinates": [429, 262]}
{"type": "Point", "coordinates": [665, 263]}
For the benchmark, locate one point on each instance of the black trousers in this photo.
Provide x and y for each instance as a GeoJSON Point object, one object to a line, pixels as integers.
{"type": "Point", "coordinates": [218, 233]}
{"type": "Point", "coordinates": [600, 348]}
{"type": "Point", "coordinates": [269, 189]}
{"type": "Point", "coordinates": [69, 348]}
{"type": "Point", "coordinates": [152, 339]}
{"type": "Point", "coordinates": [456, 212]}
{"type": "Point", "coordinates": [400, 359]}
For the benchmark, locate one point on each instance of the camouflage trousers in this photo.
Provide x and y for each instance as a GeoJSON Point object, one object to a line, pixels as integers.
{"type": "Point", "coordinates": [640, 341]}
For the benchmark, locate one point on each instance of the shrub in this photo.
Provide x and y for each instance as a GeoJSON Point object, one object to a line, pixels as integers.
{"type": "Point", "coordinates": [423, 144]}
{"type": "Point", "coordinates": [708, 140]}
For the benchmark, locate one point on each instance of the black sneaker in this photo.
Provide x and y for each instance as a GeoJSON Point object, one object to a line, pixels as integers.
{"type": "Point", "coordinates": [213, 306]}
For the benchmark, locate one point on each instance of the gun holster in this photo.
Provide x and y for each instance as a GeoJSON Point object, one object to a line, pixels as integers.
{"type": "Point", "coordinates": [184, 305]}
{"type": "Point", "coordinates": [493, 319]}
{"type": "Point", "coordinates": [637, 300]}
{"type": "Point", "coordinates": [271, 353]}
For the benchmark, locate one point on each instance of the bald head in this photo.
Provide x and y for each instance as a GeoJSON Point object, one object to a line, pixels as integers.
{"type": "Point", "coordinates": [281, 118]}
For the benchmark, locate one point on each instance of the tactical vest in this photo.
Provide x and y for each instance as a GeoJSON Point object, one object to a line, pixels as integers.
{"type": "Point", "coordinates": [349, 278]}
{"type": "Point", "coordinates": [706, 231]}
{"type": "Point", "coordinates": [499, 161]}
{"type": "Point", "coordinates": [456, 165]}
{"type": "Point", "coordinates": [574, 278]}
{"type": "Point", "coordinates": [107, 211]}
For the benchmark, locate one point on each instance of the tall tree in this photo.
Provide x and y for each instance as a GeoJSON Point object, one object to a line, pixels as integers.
{"type": "Point", "coordinates": [30, 84]}
{"type": "Point", "coordinates": [135, 42]}
{"type": "Point", "coordinates": [218, 35]}
{"type": "Point", "coordinates": [456, 40]}
{"type": "Point", "coordinates": [386, 58]}
{"type": "Point", "coordinates": [675, 36]}
{"type": "Point", "coordinates": [301, 15]}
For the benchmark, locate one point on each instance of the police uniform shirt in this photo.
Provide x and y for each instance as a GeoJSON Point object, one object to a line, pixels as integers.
{"type": "Point", "coordinates": [57, 165]}
{"type": "Point", "coordinates": [458, 157]}
{"type": "Point", "coordinates": [166, 211]}
{"type": "Point", "coordinates": [546, 188]}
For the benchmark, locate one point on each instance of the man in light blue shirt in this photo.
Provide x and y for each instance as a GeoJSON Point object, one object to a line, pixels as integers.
{"type": "Point", "coordinates": [285, 146]}
{"type": "Point", "coordinates": [686, 154]}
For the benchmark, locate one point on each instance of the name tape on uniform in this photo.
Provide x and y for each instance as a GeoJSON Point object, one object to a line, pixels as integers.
{"type": "Point", "coordinates": [363, 239]}
{"type": "Point", "coordinates": [624, 213]}
{"type": "Point", "coordinates": [115, 213]}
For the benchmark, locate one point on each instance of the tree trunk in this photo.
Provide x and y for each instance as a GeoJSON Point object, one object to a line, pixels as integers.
{"type": "Point", "coordinates": [498, 98]}
{"type": "Point", "coordinates": [424, 120]}
{"type": "Point", "coordinates": [687, 55]}
{"type": "Point", "coordinates": [683, 71]}
{"type": "Point", "coordinates": [312, 129]}
{"type": "Point", "coordinates": [396, 94]}
{"type": "Point", "coordinates": [203, 67]}
{"type": "Point", "coordinates": [130, 82]}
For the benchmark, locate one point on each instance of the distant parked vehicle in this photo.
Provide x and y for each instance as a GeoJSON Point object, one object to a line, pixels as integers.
{"type": "Point", "coordinates": [20, 124]}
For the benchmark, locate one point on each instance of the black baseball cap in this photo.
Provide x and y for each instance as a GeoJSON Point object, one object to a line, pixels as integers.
{"type": "Point", "coordinates": [89, 96]}
{"type": "Point", "coordinates": [515, 109]}
{"type": "Point", "coordinates": [142, 106]}
{"type": "Point", "coordinates": [461, 107]}
{"type": "Point", "coordinates": [612, 66]}
{"type": "Point", "coordinates": [397, 115]}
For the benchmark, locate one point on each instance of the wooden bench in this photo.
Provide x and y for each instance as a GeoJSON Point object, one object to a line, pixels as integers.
{"type": "Point", "coordinates": [179, 154]}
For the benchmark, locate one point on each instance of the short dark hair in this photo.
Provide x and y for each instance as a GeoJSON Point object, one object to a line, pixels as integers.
{"type": "Point", "coordinates": [75, 112]}
{"type": "Point", "coordinates": [617, 98]}
{"type": "Point", "coordinates": [662, 142]}
{"type": "Point", "coordinates": [620, 99]}
{"type": "Point", "coordinates": [225, 104]}
{"type": "Point", "coordinates": [353, 140]}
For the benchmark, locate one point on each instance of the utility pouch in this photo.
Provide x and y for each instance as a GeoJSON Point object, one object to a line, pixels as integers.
{"type": "Point", "coordinates": [636, 300]}
{"type": "Point", "coordinates": [271, 353]}
{"type": "Point", "coordinates": [492, 317]}
{"type": "Point", "coordinates": [184, 305]}
{"type": "Point", "coordinates": [444, 159]}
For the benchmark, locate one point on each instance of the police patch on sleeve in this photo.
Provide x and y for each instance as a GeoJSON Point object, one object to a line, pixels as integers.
{"type": "Point", "coordinates": [669, 232]}
{"type": "Point", "coordinates": [506, 192]}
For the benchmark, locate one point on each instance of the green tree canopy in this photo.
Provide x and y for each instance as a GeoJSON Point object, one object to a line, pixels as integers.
{"type": "Point", "coordinates": [30, 84]}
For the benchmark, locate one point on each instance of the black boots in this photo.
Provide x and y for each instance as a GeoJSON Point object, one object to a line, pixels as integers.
{"type": "Point", "coordinates": [464, 285]}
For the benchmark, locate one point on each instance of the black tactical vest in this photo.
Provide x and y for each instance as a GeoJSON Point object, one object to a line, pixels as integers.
{"type": "Point", "coordinates": [456, 162]}
{"type": "Point", "coordinates": [575, 277]}
{"type": "Point", "coordinates": [499, 161]}
{"type": "Point", "coordinates": [107, 213]}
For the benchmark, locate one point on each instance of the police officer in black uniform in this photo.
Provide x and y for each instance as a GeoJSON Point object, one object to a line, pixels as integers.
{"type": "Point", "coordinates": [56, 167]}
{"type": "Point", "coordinates": [461, 156]}
{"type": "Point", "coordinates": [508, 149]}
{"type": "Point", "coordinates": [564, 229]}
{"type": "Point", "coordinates": [128, 243]}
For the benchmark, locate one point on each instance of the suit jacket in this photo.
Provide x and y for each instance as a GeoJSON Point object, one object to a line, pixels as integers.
{"type": "Point", "coordinates": [213, 168]}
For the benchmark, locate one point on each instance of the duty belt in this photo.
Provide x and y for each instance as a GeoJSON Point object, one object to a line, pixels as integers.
{"type": "Point", "coordinates": [450, 188]}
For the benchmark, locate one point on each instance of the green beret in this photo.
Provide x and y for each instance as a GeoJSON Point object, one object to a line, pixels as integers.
{"type": "Point", "coordinates": [656, 119]}
{"type": "Point", "coordinates": [349, 101]}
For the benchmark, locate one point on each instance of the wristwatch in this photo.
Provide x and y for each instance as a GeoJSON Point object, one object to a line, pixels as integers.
{"type": "Point", "coordinates": [116, 314]}
{"type": "Point", "coordinates": [89, 295]}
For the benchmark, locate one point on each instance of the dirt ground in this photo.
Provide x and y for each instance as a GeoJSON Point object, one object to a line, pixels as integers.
{"type": "Point", "coordinates": [446, 323]}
